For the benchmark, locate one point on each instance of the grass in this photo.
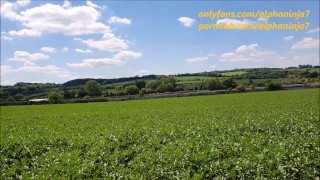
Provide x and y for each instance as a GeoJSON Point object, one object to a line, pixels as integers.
{"type": "Point", "coordinates": [233, 73]}
{"type": "Point", "coordinates": [249, 135]}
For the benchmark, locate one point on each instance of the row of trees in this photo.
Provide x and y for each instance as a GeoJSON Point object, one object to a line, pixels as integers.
{"type": "Point", "coordinates": [274, 74]}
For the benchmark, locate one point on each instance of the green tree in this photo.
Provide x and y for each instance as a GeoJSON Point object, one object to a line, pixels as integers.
{"type": "Point", "coordinates": [228, 83]}
{"type": "Point", "coordinates": [132, 89]}
{"type": "Point", "coordinates": [165, 87]}
{"type": "Point", "coordinates": [169, 80]}
{"type": "Point", "coordinates": [54, 96]}
{"type": "Point", "coordinates": [212, 84]}
{"type": "Point", "coordinates": [81, 92]}
{"type": "Point", "coordinates": [19, 97]}
{"type": "Point", "coordinates": [72, 93]}
{"type": "Point", "coordinates": [92, 88]}
{"type": "Point", "coordinates": [141, 84]}
{"type": "Point", "coordinates": [152, 85]}
{"type": "Point", "coordinates": [167, 84]}
{"type": "Point", "coordinates": [142, 92]}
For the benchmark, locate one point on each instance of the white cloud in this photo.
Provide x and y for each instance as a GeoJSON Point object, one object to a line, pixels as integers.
{"type": "Point", "coordinates": [48, 49]}
{"type": "Point", "coordinates": [77, 39]}
{"type": "Point", "coordinates": [125, 55]}
{"type": "Point", "coordinates": [288, 38]}
{"type": "Point", "coordinates": [29, 63]}
{"type": "Point", "coordinates": [249, 53]}
{"type": "Point", "coordinates": [23, 2]}
{"type": "Point", "coordinates": [65, 49]}
{"type": "Point", "coordinates": [26, 32]}
{"type": "Point", "coordinates": [48, 69]}
{"type": "Point", "coordinates": [212, 66]}
{"type": "Point", "coordinates": [66, 4]}
{"type": "Point", "coordinates": [313, 30]}
{"type": "Point", "coordinates": [96, 63]}
{"type": "Point", "coordinates": [196, 60]}
{"type": "Point", "coordinates": [306, 43]}
{"type": "Point", "coordinates": [25, 56]}
{"type": "Point", "coordinates": [187, 22]}
{"type": "Point", "coordinates": [295, 60]}
{"type": "Point", "coordinates": [91, 4]}
{"type": "Point", "coordinates": [7, 38]}
{"type": "Point", "coordinates": [115, 19]}
{"type": "Point", "coordinates": [109, 42]}
{"type": "Point", "coordinates": [5, 69]}
{"type": "Point", "coordinates": [227, 21]}
{"type": "Point", "coordinates": [306, 59]}
{"type": "Point", "coordinates": [244, 48]}
{"type": "Point", "coordinates": [56, 19]}
{"type": "Point", "coordinates": [7, 11]}
{"type": "Point", "coordinates": [83, 51]}
{"type": "Point", "coordinates": [143, 72]}
{"type": "Point", "coordinates": [6, 83]}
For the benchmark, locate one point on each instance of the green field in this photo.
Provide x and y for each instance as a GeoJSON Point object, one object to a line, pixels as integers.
{"type": "Point", "coordinates": [233, 73]}
{"type": "Point", "coordinates": [246, 135]}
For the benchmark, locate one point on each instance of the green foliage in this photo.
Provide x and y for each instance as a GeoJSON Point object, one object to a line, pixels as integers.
{"type": "Point", "coordinates": [152, 85]}
{"type": "Point", "coordinates": [81, 92]}
{"type": "Point", "coordinates": [228, 83]}
{"type": "Point", "coordinates": [141, 84]}
{"type": "Point", "coordinates": [19, 97]}
{"type": "Point", "coordinates": [132, 89]}
{"type": "Point", "coordinates": [272, 86]}
{"type": "Point", "coordinates": [55, 97]}
{"type": "Point", "coordinates": [212, 84]}
{"type": "Point", "coordinates": [142, 92]}
{"type": "Point", "coordinates": [87, 98]}
{"type": "Point", "coordinates": [165, 87]}
{"type": "Point", "coordinates": [92, 88]}
{"type": "Point", "coordinates": [167, 84]}
{"type": "Point", "coordinates": [169, 80]}
{"type": "Point", "coordinates": [204, 137]}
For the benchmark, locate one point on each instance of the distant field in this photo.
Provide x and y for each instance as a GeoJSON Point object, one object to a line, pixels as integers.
{"type": "Point", "coordinates": [234, 136]}
{"type": "Point", "coordinates": [192, 79]}
{"type": "Point", "coordinates": [303, 69]}
{"type": "Point", "coordinates": [233, 73]}
{"type": "Point", "coordinates": [201, 79]}
{"type": "Point", "coordinates": [241, 81]}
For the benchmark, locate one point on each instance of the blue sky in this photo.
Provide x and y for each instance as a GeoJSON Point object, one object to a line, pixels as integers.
{"type": "Point", "coordinates": [56, 41]}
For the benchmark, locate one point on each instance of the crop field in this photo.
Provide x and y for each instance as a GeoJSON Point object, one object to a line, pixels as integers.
{"type": "Point", "coordinates": [233, 73]}
{"type": "Point", "coordinates": [246, 135]}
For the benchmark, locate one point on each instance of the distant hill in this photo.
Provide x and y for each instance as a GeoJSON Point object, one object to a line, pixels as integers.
{"type": "Point", "coordinates": [80, 82]}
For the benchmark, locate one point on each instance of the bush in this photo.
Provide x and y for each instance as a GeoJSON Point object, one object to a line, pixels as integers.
{"type": "Point", "coordinates": [132, 89]}
{"type": "Point", "coordinates": [87, 98]}
{"type": "Point", "coordinates": [142, 92]}
{"type": "Point", "coordinates": [212, 84]}
{"type": "Point", "coordinates": [273, 86]}
{"type": "Point", "coordinates": [228, 83]}
{"type": "Point", "coordinates": [241, 88]}
{"type": "Point", "coordinates": [55, 97]}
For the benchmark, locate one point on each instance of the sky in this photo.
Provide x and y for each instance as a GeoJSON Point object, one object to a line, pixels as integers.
{"type": "Point", "coordinates": [57, 41]}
